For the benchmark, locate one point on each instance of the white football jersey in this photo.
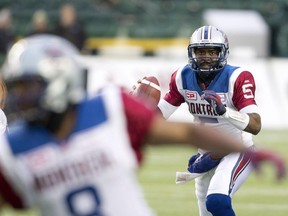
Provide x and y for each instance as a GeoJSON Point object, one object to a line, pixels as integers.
{"type": "Point", "coordinates": [90, 173]}
{"type": "Point", "coordinates": [234, 85]}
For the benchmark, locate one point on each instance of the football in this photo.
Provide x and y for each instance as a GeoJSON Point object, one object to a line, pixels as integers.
{"type": "Point", "coordinates": [149, 89]}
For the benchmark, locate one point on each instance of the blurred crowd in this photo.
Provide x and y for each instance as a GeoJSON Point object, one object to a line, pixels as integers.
{"type": "Point", "coordinates": [68, 26]}
{"type": "Point", "coordinates": [85, 19]}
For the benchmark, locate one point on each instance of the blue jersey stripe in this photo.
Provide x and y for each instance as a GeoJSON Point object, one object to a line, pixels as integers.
{"type": "Point", "coordinates": [219, 84]}
{"type": "Point", "coordinates": [91, 113]}
{"type": "Point", "coordinates": [24, 137]}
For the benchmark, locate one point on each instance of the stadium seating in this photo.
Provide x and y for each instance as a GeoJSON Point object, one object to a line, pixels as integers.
{"type": "Point", "coordinates": [146, 19]}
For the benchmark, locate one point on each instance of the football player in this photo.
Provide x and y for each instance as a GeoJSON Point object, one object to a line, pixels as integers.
{"type": "Point", "coordinates": [68, 154]}
{"type": "Point", "coordinates": [222, 96]}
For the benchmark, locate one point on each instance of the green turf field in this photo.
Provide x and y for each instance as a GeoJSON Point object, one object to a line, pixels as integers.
{"type": "Point", "coordinates": [260, 195]}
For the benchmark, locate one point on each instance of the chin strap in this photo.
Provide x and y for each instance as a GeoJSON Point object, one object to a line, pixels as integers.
{"type": "Point", "coordinates": [206, 79]}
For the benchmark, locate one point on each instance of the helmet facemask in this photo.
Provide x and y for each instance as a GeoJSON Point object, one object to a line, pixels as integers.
{"type": "Point", "coordinates": [24, 98]}
{"type": "Point", "coordinates": [207, 64]}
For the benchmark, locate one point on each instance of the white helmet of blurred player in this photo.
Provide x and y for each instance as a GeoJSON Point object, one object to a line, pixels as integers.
{"type": "Point", "coordinates": [42, 75]}
{"type": "Point", "coordinates": [208, 37]}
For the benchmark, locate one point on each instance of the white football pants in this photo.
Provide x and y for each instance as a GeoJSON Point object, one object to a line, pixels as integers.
{"type": "Point", "coordinates": [226, 179]}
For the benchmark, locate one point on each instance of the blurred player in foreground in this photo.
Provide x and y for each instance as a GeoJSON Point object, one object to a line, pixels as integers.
{"type": "Point", "coordinates": [222, 96]}
{"type": "Point", "coordinates": [67, 154]}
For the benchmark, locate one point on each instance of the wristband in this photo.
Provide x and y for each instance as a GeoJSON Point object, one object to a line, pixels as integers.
{"type": "Point", "coordinates": [239, 120]}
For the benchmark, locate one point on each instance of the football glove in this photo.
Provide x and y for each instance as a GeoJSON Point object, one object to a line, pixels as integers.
{"type": "Point", "coordinates": [258, 156]}
{"type": "Point", "coordinates": [202, 163]}
{"type": "Point", "coordinates": [214, 100]}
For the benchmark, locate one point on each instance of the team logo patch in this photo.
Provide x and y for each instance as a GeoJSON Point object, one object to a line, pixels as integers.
{"type": "Point", "coordinates": [191, 95]}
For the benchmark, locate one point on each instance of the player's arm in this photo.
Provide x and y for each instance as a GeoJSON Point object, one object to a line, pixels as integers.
{"type": "Point", "coordinates": [205, 137]}
{"type": "Point", "coordinates": [172, 99]}
{"type": "Point", "coordinates": [254, 124]}
{"type": "Point", "coordinates": [246, 121]}
{"type": "Point", "coordinates": [244, 101]}
{"type": "Point", "coordinates": [246, 116]}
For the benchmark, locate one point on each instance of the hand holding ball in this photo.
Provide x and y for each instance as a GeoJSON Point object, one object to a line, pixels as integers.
{"type": "Point", "coordinates": [149, 89]}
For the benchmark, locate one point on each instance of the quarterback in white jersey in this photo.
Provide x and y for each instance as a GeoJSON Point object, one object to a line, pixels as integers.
{"type": "Point", "coordinates": [222, 96]}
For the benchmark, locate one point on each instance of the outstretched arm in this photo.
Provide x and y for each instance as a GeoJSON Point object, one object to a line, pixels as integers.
{"type": "Point", "coordinates": [205, 137]}
{"type": "Point", "coordinates": [199, 136]}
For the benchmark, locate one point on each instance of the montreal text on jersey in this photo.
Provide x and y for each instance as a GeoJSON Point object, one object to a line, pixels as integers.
{"type": "Point", "coordinates": [88, 165]}
{"type": "Point", "coordinates": [201, 109]}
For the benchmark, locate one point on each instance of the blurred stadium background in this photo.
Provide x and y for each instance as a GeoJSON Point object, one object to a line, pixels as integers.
{"type": "Point", "coordinates": [150, 19]}
{"type": "Point", "coordinates": [129, 39]}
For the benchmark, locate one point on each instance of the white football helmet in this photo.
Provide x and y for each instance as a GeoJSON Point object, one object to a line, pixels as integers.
{"type": "Point", "coordinates": [208, 37]}
{"type": "Point", "coordinates": [42, 74]}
